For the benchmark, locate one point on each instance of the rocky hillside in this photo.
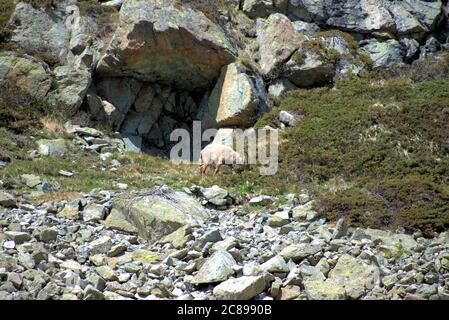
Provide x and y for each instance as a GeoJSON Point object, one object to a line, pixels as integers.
{"type": "Point", "coordinates": [91, 208]}
{"type": "Point", "coordinates": [147, 67]}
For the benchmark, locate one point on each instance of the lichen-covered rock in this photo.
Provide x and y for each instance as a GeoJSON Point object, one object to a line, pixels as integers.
{"type": "Point", "coordinates": [279, 87]}
{"type": "Point", "coordinates": [395, 244]}
{"type": "Point", "coordinates": [71, 84]}
{"type": "Point", "coordinates": [26, 73]}
{"type": "Point", "coordinates": [258, 8]}
{"type": "Point", "coordinates": [41, 31]}
{"type": "Point", "coordinates": [363, 16]}
{"type": "Point", "coordinates": [243, 288]}
{"type": "Point", "coordinates": [233, 100]}
{"type": "Point", "coordinates": [278, 40]}
{"type": "Point", "coordinates": [298, 252]}
{"type": "Point", "coordinates": [307, 10]}
{"type": "Point", "coordinates": [186, 48]}
{"type": "Point", "coordinates": [120, 92]}
{"type": "Point", "coordinates": [117, 220]}
{"type": "Point", "coordinates": [7, 200]}
{"type": "Point", "coordinates": [415, 16]}
{"type": "Point", "coordinates": [324, 290]}
{"type": "Point", "coordinates": [52, 148]}
{"type": "Point", "coordinates": [383, 54]}
{"type": "Point", "coordinates": [178, 238]}
{"type": "Point", "coordinates": [355, 275]}
{"type": "Point", "coordinates": [160, 212]}
{"type": "Point", "coordinates": [309, 66]}
{"type": "Point", "coordinates": [217, 268]}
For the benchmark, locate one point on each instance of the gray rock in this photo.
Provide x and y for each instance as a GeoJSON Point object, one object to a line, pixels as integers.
{"type": "Point", "coordinates": [44, 31]}
{"type": "Point", "coordinates": [383, 54]}
{"type": "Point", "coordinates": [52, 148]}
{"type": "Point", "coordinates": [91, 293]}
{"type": "Point", "coordinates": [324, 290]}
{"type": "Point", "coordinates": [275, 265]}
{"type": "Point", "coordinates": [305, 27]}
{"type": "Point", "coordinates": [258, 8]}
{"type": "Point", "coordinates": [191, 49]}
{"type": "Point", "coordinates": [279, 219]}
{"type": "Point", "coordinates": [26, 73]}
{"type": "Point", "coordinates": [226, 244]}
{"type": "Point", "coordinates": [243, 288]}
{"type": "Point", "coordinates": [216, 195]}
{"type": "Point", "coordinates": [48, 235]}
{"type": "Point", "coordinates": [358, 16]}
{"type": "Point", "coordinates": [31, 180]}
{"type": "Point", "coordinates": [307, 10]}
{"type": "Point", "coordinates": [160, 212]}
{"type": "Point", "coordinates": [217, 268]}
{"type": "Point", "coordinates": [354, 275]}
{"type": "Point", "coordinates": [298, 252]}
{"type": "Point", "coordinates": [71, 83]}
{"type": "Point", "coordinates": [287, 118]}
{"type": "Point", "coordinates": [341, 229]}
{"type": "Point", "coordinates": [304, 212]}
{"type": "Point", "coordinates": [232, 102]}
{"type": "Point", "coordinates": [17, 236]}
{"type": "Point", "coordinates": [7, 200]}
{"type": "Point", "coordinates": [117, 220]}
{"type": "Point", "coordinates": [94, 212]}
{"type": "Point", "coordinates": [279, 87]}
{"type": "Point", "coordinates": [277, 40]}
{"type": "Point", "coordinates": [101, 245]}
{"type": "Point", "coordinates": [120, 92]}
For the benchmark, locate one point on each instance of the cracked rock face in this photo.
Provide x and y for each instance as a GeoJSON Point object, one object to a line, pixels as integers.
{"type": "Point", "coordinates": [26, 73]}
{"type": "Point", "coordinates": [159, 42]}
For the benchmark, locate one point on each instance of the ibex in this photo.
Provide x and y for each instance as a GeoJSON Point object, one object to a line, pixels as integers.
{"type": "Point", "coordinates": [216, 155]}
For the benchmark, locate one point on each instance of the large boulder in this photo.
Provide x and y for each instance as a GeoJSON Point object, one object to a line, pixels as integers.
{"type": "Point", "coordinates": [258, 8]}
{"type": "Point", "coordinates": [310, 65]}
{"type": "Point", "coordinates": [26, 73]}
{"type": "Point", "coordinates": [71, 84]}
{"type": "Point", "coordinates": [165, 42]}
{"type": "Point", "coordinates": [367, 16]}
{"type": "Point", "coordinates": [363, 16]}
{"type": "Point", "coordinates": [37, 30]}
{"type": "Point", "coordinates": [52, 148]}
{"type": "Point", "coordinates": [102, 110]}
{"type": "Point", "coordinates": [307, 10]}
{"type": "Point", "coordinates": [219, 267]}
{"type": "Point", "coordinates": [243, 288]}
{"type": "Point", "coordinates": [415, 16]}
{"type": "Point", "coordinates": [392, 244]}
{"type": "Point", "coordinates": [285, 52]}
{"type": "Point", "coordinates": [233, 100]}
{"type": "Point", "coordinates": [120, 92]}
{"type": "Point", "coordinates": [343, 49]}
{"type": "Point", "coordinates": [278, 40]}
{"type": "Point", "coordinates": [159, 212]}
{"type": "Point", "coordinates": [354, 275]}
{"type": "Point", "coordinates": [383, 54]}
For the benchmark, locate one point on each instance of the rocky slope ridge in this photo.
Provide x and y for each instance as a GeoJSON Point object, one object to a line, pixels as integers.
{"type": "Point", "coordinates": [147, 67]}
{"type": "Point", "coordinates": [165, 244]}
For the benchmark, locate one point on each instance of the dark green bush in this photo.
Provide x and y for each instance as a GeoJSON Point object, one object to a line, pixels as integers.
{"type": "Point", "coordinates": [6, 10]}
{"type": "Point", "coordinates": [414, 203]}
